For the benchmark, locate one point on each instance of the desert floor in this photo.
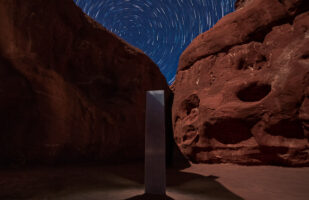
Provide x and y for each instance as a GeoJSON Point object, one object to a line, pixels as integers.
{"type": "Point", "coordinates": [200, 181]}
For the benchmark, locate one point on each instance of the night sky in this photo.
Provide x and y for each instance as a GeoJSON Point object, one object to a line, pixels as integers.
{"type": "Point", "coordinates": [161, 28]}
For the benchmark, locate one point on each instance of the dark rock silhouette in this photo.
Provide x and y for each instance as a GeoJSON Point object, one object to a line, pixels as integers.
{"type": "Point", "coordinates": [70, 90]}
{"type": "Point", "coordinates": [241, 90]}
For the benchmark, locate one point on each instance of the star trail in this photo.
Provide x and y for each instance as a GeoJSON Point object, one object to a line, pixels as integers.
{"type": "Point", "coordinates": [161, 28]}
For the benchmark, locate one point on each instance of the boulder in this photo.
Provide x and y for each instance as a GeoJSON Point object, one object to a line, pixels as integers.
{"type": "Point", "coordinates": [70, 90]}
{"type": "Point", "coordinates": [241, 90]}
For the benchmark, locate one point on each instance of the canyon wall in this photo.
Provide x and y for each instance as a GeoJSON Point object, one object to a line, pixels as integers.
{"type": "Point", "coordinates": [70, 90]}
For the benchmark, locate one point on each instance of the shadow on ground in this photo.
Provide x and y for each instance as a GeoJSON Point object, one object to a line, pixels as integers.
{"type": "Point", "coordinates": [187, 184]}
{"type": "Point", "coordinates": [104, 182]}
{"type": "Point", "coordinates": [150, 197]}
{"type": "Point", "coordinates": [108, 182]}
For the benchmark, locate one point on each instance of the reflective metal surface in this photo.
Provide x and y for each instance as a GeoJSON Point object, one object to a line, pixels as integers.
{"type": "Point", "coordinates": [155, 143]}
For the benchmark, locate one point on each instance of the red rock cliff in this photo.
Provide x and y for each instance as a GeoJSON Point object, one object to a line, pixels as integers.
{"type": "Point", "coordinates": [242, 88]}
{"type": "Point", "coordinates": [69, 89]}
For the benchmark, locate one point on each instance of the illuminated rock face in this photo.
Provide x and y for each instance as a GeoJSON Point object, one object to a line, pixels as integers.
{"type": "Point", "coordinates": [69, 89]}
{"type": "Point", "coordinates": [242, 88]}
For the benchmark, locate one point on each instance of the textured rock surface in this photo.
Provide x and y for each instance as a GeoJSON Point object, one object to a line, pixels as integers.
{"type": "Point", "coordinates": [69, 89]}
{"type": "Point", "coordinates": [241, 91]}
{"type": "Point", "coordinates": [241, 3]}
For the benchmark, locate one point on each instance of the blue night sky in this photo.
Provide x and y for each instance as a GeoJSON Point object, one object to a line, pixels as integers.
{"type": "Point", "coordinates": [161, 28]}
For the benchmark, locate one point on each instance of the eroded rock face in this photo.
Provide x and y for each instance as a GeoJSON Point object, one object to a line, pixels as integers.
{"type": "Point", "coordinates": [241, 3]}
{"type": "Point", "coordinates": [69, 89]}
{"type": "Point", "coordinates": [241, 90]}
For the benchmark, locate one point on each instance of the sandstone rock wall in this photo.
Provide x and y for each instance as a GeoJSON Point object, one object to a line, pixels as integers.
{"type": "Point", "coordinates": [69, 89]}
{"type": "Point", "coordinates": [241, 90]}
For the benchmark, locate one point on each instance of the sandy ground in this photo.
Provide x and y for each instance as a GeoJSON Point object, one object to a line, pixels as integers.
{"type": "Point", "coordinates": [202, 181]}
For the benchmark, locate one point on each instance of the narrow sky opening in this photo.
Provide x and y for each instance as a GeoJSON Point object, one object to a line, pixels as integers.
{"type": "Point", "coordinates": [161, 28]}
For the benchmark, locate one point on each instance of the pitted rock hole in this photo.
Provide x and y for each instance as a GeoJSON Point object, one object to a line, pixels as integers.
{"type": "Point", "coordinates": [190, 132]}
{"type": "Point", "coordinates": [253, 63]}
{"type": "Point", "coordinates": [254, 92]}
{"type": "Point", "coordinates": [241, 64]}
{"type": "Point", "coordinates": [191, 102]}
{"type": "Point", "coordinates": [191, 136]}
{"type": "Point", "coordinates": [228, 131]}
{"type": "Point", "coordinates": [305, 56]}
{"type": "Point", "coordinates": [288, 129]}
